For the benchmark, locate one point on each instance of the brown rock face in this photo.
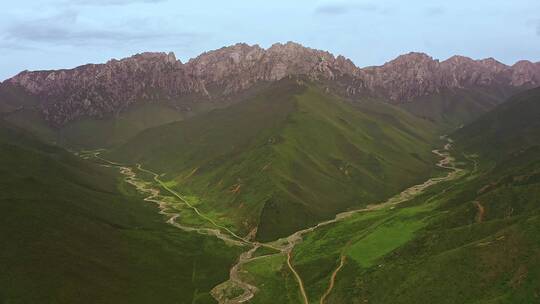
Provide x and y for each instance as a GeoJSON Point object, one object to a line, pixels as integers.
{"type": "Point", "coordinates": [98, 90]}
{"type": "Point", "coordinates": [415, 75]}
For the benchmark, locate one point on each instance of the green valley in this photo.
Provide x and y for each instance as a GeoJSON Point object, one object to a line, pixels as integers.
{"type": "Point", "coordinates": [271, 173]}
{"type": "Point", "coordinates": [286, 152]}
{"type": "Point", "coordinates": [466, 234]}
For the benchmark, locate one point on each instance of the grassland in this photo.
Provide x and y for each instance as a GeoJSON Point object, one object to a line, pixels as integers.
{"type": "Point", "coordinates": [285, 159]}
{"type": "Point", "coordinates": [434, 248]}
{"type": "Point", "coordinates": [269, 266]}
{"type": "Point", "coordinates": [287, 152]}
{"type": "Point", "coordinates": [470, 241]}
{"type": "Point", "coordinates": [451, 109]}
{"type": "Point", "coordinates": [74, 232]}
{"type": "Point", "coordinates": [507, 131]}
{"type": "Point", "coordinates": [275, 282]}
{"type": "Point", "coordinates": [456, 257]}
{"type": "Point", "coordinates": [90, 133]}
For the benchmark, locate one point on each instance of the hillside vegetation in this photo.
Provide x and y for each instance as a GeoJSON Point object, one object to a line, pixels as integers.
{"type": "Point", "coordinates": [91, 133]}
{"type": "Point", "coordinates": [73, 232]}
{"type": "Point", "coordinates": [474, 240]}
{"type": "Point", "coordinates": [511, 129]}
{"type": "Point", "coordinates": [291, 151]}
{"type": "Point", "coordinates": [451, 109]}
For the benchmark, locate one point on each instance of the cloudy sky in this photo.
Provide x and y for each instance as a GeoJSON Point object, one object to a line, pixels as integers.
{"type": "Point", "coordinates": [51, 34]}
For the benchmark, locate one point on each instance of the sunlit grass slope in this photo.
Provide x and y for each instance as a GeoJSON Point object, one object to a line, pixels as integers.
{"type": "Point", "coordinates": [288, 157]}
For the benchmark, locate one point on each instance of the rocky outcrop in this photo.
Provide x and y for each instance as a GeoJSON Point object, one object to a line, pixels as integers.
{"type": "Point", "coordinates": [236, 68]}
{"type": "Point", "coordinates": [98, 90]}
{"type": "Point", "coordinates": [416, 74]}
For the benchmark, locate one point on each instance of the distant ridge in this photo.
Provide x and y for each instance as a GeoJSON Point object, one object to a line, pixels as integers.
{"type": "Point", "coordinates": [98, 90]}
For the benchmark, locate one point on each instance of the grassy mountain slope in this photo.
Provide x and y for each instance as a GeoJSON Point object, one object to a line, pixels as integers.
{"type": "Point", "coordinates": [13, 98]}
{"type": "Point", "coordinates": [450, 109]}
{"type": "Point", "coordinates": [21, 109]}
{"type": "Point", "coordinates": [509, 130]}
{"type": "Point", "coordinates": [474, 240]}
{"type": "Point", "coordinates": [89, 133]}
{"type": "Point", "coordinates": [289, 152]}
{"type": "Point", "coordinates": [73, 232]}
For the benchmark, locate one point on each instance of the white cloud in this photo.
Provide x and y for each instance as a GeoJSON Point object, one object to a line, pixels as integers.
{"type": "Point", "coordinates": [343, 8]}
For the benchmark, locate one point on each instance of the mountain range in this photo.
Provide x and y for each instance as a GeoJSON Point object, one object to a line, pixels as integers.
{"type": "Point", "coordinates": [101, 90]}
{"type": "Point", "coordinates": [288, 150]}
{"type": "Point", "coordinates": [279, 175]}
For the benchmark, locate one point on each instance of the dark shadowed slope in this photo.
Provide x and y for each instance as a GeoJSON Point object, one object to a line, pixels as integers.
{"type": "Point", "coordinates": [72, 232]}
{"type": "Point", "coordinates": [450, 109]}
{"type": "Point", "coordinates": [290, 152]}
{"type": "Point", "coordinates": [509, 130]}
{"type": "Point", "coordinates": [25, 111]}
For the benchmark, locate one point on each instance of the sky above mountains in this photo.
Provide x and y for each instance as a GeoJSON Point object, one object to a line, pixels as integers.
{"type": "Point", "coordinates": [52, 34]}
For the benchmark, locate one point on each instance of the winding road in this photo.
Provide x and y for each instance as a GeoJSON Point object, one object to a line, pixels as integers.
{"type": "Point", "coordinates": [195, 209]}
{"type": "Point", "coordinates": [446, 162]}
{"type": "Point", "coordinates": [166, 209]}
{"type": "Point", "coordinates": [298, 278]}
{"type": "Point", "coordinates": [284, 246]}
{"type": "Point", "coordinates": [342, 260]}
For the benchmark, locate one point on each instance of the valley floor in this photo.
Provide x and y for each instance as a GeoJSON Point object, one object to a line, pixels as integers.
{"type": "Point", "coordinates": [260, 273]}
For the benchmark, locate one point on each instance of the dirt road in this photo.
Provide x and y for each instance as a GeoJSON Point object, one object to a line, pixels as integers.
{"type": "Point", "coordinates": [342, 260]}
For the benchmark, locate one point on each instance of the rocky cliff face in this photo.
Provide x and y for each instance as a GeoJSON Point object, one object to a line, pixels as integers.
{"type": "Point", "coordinates": [98, 90]}
{"type": "Point", "coordinates": [415, 74]}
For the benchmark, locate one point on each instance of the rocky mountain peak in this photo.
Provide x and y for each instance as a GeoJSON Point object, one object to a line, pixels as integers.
{"type": "Point", "coordinates": [524, 64]}
{"type": "Point", "coordinates": [412, 59]}
{"type": "Point", "coordinates": [289, 45]}
{"type": "Point", "coordinates": [524, 72]}
{"type": "Point", "coordinates": [459, 60]}
{"type": "Point", "coordinates": [493, 64]}
{"type": "Point", "coordinates": [147, 57]}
